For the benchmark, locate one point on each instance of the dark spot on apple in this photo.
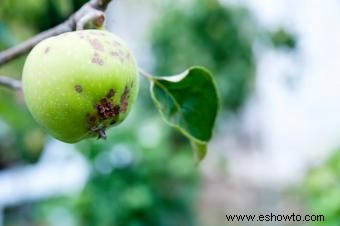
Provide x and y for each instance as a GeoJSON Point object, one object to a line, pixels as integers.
{"type": "Point", "coordinates": [114, 53]}
{"type": "Point", "coordinates": [116, 44]}
{"type": "Point", "coordinates": [96, 44]}
{"type": "Point", "coordinates": [131, 84]}
{"type": "Point", "coordinates": [78, 88]}
{"type": "Point", "coordinates": [97, 60]}
{"type": "Point", "coordinates": [124, 100]}
{"type": "Point", "coordinates": [121, 55]}
{"type": "Point", "coordinates": [92, 119]}
{"type": "Point", "coordinates": [106, 110]}
{"type": "Point", "coordinates": [118, 54]}
{"type": "Point", "coordinates": [47, 49]}
{"type": "Point", "coordinates": [116, 109]}
{"type": "Point", "coordinates": [111, 93]}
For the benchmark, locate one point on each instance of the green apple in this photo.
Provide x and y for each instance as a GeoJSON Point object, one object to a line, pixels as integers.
{"type": "Point", "coordinates": [80, 83]}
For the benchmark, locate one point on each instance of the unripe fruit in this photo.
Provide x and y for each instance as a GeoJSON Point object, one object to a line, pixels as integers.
{"type": "Point", "coordinates": [80, 83]}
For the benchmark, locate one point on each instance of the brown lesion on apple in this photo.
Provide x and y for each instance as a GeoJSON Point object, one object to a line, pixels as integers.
{"type": "Point", "coordinates": [118, 52]}
{"type": "Point", "coordinates": [116, 43]}
{"type": "Point", "coordinates": [124, 100]}
{"type": "Point", "coordinates": [104, 111]}
{"type": "Point", "coordinates": [91, 119]}
{"type": "Point", "coordinates": [96, 59]}
{"type": "Point", "coordinates": [78, 88]}
{"type": "Point", "coordinates": [120, 55]}
{"type": "Point", "coordinates": [114, 53]}
{"type": "Point", "coordinates": [96, 44]}
{"type": "Point", "coordinates": [110, 94]}
{"type": "Point", "coordinates": [47, 49]}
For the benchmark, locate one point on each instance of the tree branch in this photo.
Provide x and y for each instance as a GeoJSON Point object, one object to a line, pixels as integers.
{"type": "Point", "coordinates": [94, 8]}
{"type": "Point", "coordinates": [22, 48]}
{"type": "Point", "coordinates": [10, 83]}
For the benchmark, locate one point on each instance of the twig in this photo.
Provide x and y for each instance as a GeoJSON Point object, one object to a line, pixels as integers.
{"type": "Point", "coordinates": [94, 8]}
{"type": "Point", "coordinates": [10, 83]}
{"type": "Point", "coordinates": [145, 74]}
{"type": "Point", "coordinates": [16, 51]}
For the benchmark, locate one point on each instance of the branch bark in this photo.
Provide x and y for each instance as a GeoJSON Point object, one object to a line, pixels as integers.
{"type": "Point", "coordinates": [10, 83]}
{"type": "Point", "coordinates": [95, 8]}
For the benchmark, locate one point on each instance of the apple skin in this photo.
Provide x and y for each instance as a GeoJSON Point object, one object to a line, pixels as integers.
{"type": "Point", "coordinates": [80, 83]}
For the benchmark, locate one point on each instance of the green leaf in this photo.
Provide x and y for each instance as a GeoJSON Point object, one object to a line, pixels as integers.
{"type": "Point", "coordinates": [200, 149]}
{"type": "Point", "coordinates": [189, 103]}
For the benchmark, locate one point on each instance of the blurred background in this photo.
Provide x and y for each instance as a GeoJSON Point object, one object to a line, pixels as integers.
{"type": "Point", "coordinates": [276, 143]}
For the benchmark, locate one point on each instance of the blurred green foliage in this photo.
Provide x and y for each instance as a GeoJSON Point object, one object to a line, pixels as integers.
{"type": "Point", "coordinates": [282, 38]}
{"type": "Point", "coordinates": [158, 189]}
{"type": "Point", "coordinates": [20, 139]}
{"type": "Point", "coordinates": [323, 191]}
{"type": "Point", "coordinates": [206, 33]}
{"type": "Point", "coordinates": [37, 15]}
